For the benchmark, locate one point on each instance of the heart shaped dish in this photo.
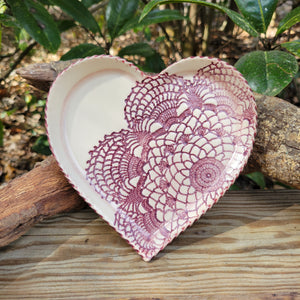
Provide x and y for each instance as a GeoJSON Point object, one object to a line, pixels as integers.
{"type": "Point", "coordinates": [151, 154]}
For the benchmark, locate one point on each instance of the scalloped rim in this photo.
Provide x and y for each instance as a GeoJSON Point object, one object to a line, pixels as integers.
{"type": "Point", "coordinates": [83, 194]}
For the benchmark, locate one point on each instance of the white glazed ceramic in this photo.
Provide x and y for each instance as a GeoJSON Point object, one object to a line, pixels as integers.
{"type": "Point", "coordinates": [151, 154]}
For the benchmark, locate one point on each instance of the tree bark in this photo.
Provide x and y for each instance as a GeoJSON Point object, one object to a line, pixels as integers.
{"type": "Point", "coordinates": [42, 75]}
{"type": "Point", "coordinates": [276, 151]}
{"type": "Point", "coordinates": [43, 192]}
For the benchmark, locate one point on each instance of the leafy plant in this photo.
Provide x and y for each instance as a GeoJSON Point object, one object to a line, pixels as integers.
{"type": "Point", "coordinates": [35, 19]}
{"type": "Point", "coordinates": [258, 178]}
{"type": "Point", "coordinates": [41, 145]}
{"type": "Point", "coordinates": [274, 69]}
{"type": "Point", "coordinates": [118, 18]}
{"type": "Point", "coordinates": [36, 105]}
{"type": "Point", "coordinates": [267, 71]}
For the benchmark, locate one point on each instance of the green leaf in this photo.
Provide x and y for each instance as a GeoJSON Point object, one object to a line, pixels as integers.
{"type": "Point", "coordinates": [234, 187]}
{"type": "Point", "coordinates": [89, 3]}
{"type": "Point", "coordinates": [160, 16]}
{"type": "Point", "coordinates": [83, 50]}
{"type": "Point", "coordinates": [268, 72]}
{"type": "Point", "coordinates": [289, 20]}
{"type": "Point", "coordinates": [3, 7]}
{"type": "Point", "coordinates": [79, 13]}
{"type": "Point", "coordinates": [65, 25]}
{"type": "Point", "coordinates": [257, 12]}
{"type": "Point", "coordinates": [41, 145]}
{"type": "Point", "coordinates": [293, 47]}
{"type": "Point", "coordinates": [154, 64]}
{"type": "Point", "coordinates": [45, 2]}
{"type": "Point", "coordinates": [8, 21]}
{"type": "Point", "coordinates": [283, 185]}
{"type": "Point", "coordinates": [142, 49]}
{"type": "Point", "coordinates": [46, 22]}
{"type": "Point", "coordinates": [258, 178]}
{"type": "Point", "coordinates": [37, 22]}
{"type": "Point", "coordinates": [118, 13]}
{"type": "Point", "coordinates": [238, 19]}
{"type": "Point", "coordinates": [154, 17]}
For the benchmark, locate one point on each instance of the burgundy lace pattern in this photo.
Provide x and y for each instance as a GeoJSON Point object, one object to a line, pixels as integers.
{"type": "Point", "coordinates": [185, 144]}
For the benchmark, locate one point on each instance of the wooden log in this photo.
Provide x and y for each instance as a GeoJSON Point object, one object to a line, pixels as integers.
{"type": "Point", "coordinates": [42, 75]}
{"type": "Point", "coordinates": [276, 151]}
{"type": "Point", "coordinates": [43, 192]}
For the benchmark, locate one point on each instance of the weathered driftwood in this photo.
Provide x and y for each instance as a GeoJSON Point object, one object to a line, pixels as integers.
{"type": "Point", "coordinates": [276, 151]}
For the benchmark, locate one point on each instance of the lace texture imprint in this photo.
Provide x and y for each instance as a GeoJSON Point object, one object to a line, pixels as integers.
{"type": "Point", "coordinates": [185, 144]}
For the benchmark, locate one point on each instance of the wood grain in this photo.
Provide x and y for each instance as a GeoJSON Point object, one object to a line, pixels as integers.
{"type": "Point", "coordinates": [245, 247]}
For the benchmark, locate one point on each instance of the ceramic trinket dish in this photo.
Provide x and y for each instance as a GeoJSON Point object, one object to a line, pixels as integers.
{"type": "Point", "coordinates": [151, 154]}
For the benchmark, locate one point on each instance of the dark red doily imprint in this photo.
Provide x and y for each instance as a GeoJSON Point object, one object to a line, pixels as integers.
{"type": "Point", "coordinates": [185, 144]}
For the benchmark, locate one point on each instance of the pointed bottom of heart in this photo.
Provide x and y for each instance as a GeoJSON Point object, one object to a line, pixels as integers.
{"type": "Point", "coordinates": [148, 238]}
{"type": "Point", "coordinates": [151, 154]}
